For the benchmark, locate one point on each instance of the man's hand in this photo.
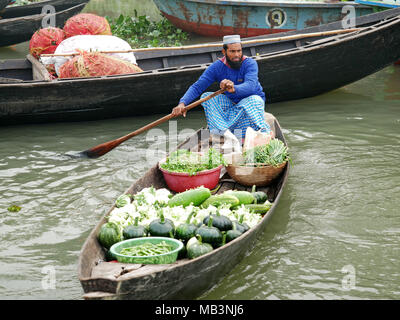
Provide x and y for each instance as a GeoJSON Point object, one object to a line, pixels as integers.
{"type": "Point", "coordinates": [227, 85]}
{"type": "Point", "coordinates": [179, 110]}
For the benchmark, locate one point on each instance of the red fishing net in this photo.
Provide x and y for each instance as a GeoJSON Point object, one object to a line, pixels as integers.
{"type": "Point", "coordinates": [94, 64]}
{"type": "Point", "coordinates": [86, 23]}
{"type": "Point", "coordinates": [45, 41]}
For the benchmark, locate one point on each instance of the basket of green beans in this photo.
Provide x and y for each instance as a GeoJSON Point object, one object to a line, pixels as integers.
{"type": "Point", "coordinates": [147, 250]}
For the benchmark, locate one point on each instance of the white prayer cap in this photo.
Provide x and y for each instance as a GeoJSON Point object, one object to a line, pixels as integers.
{"type": "Point", "coordinates": [232, 39]}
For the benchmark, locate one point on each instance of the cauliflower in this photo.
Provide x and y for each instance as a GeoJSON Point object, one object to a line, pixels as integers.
{"type": "Point", "coordinates": [148, 203]}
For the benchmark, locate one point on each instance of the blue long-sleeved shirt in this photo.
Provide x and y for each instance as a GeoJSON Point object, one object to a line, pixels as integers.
{"type": "Point", "coordinates": [245, 80]}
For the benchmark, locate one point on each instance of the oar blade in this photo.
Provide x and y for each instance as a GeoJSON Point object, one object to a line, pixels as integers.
{"type": "Point", "coordinates": [89, 154]}
{"type": "Point", "coordinates": [99, 150]}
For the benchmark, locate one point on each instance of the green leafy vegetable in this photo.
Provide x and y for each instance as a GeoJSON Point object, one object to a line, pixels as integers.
{"type": "Point", "coordinates": [122, 201]}
{"type": "Point", "coordinates": [139, 31]}
{"type": "Point", "coordinates": [192, 162]}
{"type": "Point", "coordinates": [274, 153]}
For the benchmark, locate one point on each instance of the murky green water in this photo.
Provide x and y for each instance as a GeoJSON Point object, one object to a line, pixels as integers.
{"type": "Point", "coordinates": [335, 234]}
{"type": "Point", "coordinates": [114, 8]}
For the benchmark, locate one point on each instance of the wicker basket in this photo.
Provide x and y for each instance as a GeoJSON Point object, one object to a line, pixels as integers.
{"type": "Point", "coordinates": [260, 175]}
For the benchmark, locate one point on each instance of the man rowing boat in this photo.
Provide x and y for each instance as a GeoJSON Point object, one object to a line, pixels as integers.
{"type": "Point", "coordinates": [243, 103]}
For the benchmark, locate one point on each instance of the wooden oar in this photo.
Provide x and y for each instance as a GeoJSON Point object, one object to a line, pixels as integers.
{"type": "Point", "coordinates": [103, 148]}
{"type": "Point", "coordinates": [209, 45]}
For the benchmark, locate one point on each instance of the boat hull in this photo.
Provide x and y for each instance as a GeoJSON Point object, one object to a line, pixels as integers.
{"type": "Point", "coordinates": [380, 3]}
{"type": "Point", "coordinates": [3, 4]}
{"type": "Point", "coordinates": [21, 29]}
{"type": "Point", "coordinates": [247, 18]}
{"type": "Point", "coordinates": [37, 7]}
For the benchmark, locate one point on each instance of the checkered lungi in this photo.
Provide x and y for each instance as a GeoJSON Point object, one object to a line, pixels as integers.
{"type": "Point", "coordinates": [222, 113]}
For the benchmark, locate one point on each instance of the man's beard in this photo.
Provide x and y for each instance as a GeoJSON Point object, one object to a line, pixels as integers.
{"type": "Point", "coordinates": [234, 64]}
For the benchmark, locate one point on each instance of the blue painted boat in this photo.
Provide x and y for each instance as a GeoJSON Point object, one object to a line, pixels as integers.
{"type": "Point", "coordinates": [380, 3]}
{"type": "Point", "coordinates": [254, 17]}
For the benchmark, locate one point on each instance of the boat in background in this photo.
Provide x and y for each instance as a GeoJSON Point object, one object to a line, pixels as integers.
{"type": "Point", "coordinates": [3, 4]}
{"type": "Point", "coordinates": [20, 29]}
{"type": "Point", "coordinates": [252, 18]}
{"type": "Point", "coordinates": [15, 11]}
{"type": "Point", "coordinates": [380, 3]}
{"type": "Point", "coordinates": [295, 65]}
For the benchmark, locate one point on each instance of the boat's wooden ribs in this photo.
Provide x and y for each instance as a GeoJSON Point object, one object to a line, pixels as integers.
{"type": "Point", "coordinates": [298, 44]}
{"type": "Point", "coordinates": [165, 62]}
{"type": "Point", "coordinates": [225, 186]}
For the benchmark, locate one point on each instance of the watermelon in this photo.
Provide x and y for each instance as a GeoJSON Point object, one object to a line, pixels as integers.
{"type": "Point", "coordinates": [45, 41]}
{"type": "Point", "coordinates": [109, 234]}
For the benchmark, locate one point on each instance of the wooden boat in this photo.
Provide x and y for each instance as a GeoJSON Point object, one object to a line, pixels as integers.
{"type": "Point", "coordinates": [252, 18]}
{"type": "Point", "coordinates": [3, 4]}
{"type": "Point", "coordinates": [294, 67]}
{"type": "Point", "coordinates": [20, 29]}
{"type": "Point", "coordinates": [184, 279]}
{"type": "Point", "coordinates": [380, 3]}
{"type": "Point", "coordinates": [37, 7]}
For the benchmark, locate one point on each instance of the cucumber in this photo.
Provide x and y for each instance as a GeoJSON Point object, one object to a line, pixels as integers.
{"type": "Point", "coordinates": [260, 208]}
{"type": "Point", "coordinates": [220, 199]}
{"type": "Point", "coordinates": [193, 196]}
{"type": "Point", "coordinates": [244, 197]}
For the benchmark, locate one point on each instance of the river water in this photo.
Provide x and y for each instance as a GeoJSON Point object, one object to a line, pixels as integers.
{"type": "Point", "coordinates": [334, 235]}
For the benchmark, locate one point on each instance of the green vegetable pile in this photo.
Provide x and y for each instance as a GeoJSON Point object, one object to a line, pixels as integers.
{"type": "Point", "coordinates": [147, 249]}
{"type": "Point", "coordinates": [200, 220]}
{"type": "Point", "coordinates": [273, 154]}
{"type": "Point", "coordinates": [139, 31]}
{"type": "Point", "coordinates": [193, 162]}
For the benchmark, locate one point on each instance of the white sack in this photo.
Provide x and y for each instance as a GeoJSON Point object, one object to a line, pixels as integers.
{"type": "Point", "coordinates": [231, 149]}
{"type": "Point", "coordinates": [255, 138]}
{"type": "Point", "coordinates": [90, 43]}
